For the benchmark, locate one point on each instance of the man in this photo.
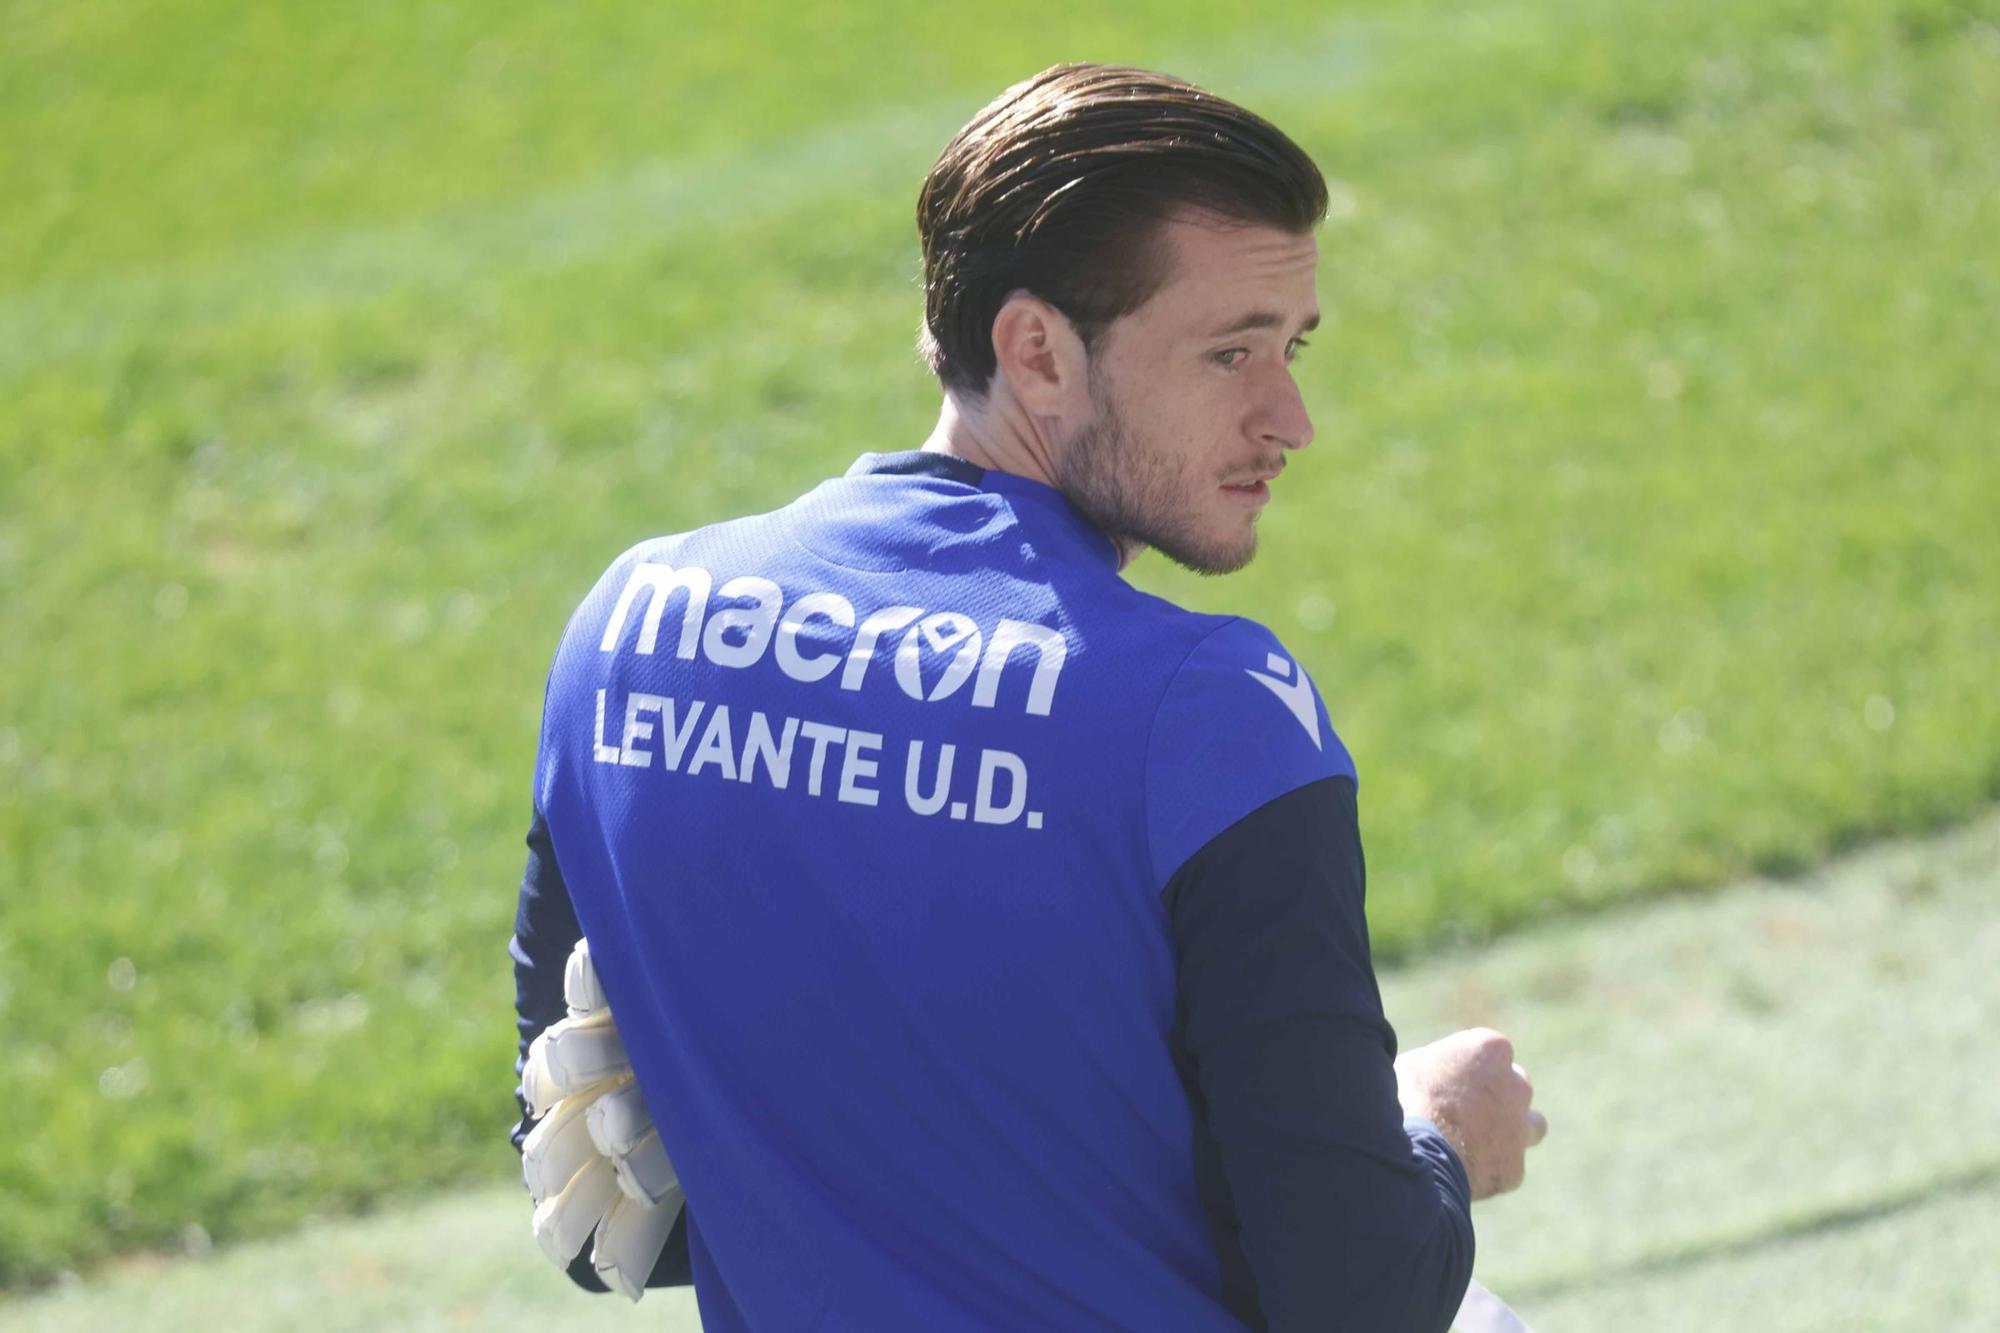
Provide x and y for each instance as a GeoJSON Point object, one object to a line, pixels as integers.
{"type": "Point", "coordinates": [987, 935]}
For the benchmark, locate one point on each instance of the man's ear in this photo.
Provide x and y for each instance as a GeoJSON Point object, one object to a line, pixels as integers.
{"type": "Point", "coordinates": [1039, 355]}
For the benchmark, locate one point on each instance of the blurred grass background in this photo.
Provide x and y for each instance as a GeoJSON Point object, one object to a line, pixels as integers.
{"type": "Point", "coordinates": [1666, 1041]}
{"type": "Point", "coordinates": [1648, 538]}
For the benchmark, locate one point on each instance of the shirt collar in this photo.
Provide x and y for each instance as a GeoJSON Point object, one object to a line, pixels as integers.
{"type": "Point", "coordinates": [918, 463]}
{"type": "Point", "coordinates": [947, 467]}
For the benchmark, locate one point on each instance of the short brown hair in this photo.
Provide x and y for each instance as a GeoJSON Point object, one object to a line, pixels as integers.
{"type": "Point", "coordinates": [1060, 186]}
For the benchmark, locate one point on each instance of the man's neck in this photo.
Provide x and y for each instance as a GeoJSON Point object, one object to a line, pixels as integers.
{"type": "Point", "coordinates": [992, 436]}
{"type": "Point", "coordinates": [995, 434]}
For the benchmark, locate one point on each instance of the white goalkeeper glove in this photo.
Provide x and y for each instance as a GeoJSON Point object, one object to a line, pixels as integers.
{"type": "Point", "coordinates": [595, 1162]}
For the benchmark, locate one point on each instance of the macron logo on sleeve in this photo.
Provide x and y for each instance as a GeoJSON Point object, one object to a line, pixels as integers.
{"type": "Point", "coordinates": [1294, 690]}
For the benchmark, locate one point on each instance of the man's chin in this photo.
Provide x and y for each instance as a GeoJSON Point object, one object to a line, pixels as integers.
{"type": "Point", "coordinates": [1210, 559]}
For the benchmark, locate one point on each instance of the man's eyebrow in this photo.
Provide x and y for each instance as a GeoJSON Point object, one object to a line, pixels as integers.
{"type": "Point", "coordinates": [1264, 319]}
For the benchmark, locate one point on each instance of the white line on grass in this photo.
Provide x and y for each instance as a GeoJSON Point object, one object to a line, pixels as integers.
{"type": "Point", "coordinates": [1750, 1092]}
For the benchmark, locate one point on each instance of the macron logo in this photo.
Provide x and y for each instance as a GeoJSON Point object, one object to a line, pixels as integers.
{"type": "Point", "coordinates": [1294, 693]}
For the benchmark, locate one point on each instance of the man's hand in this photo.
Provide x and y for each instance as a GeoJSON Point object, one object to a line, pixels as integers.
{"type": "Point", "coordinates": [1469, 1087]}
{"type": "Point", "coordinates": [595, 1162]}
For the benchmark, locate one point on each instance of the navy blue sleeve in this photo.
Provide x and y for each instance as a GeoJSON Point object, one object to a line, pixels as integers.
{"type": "Point", "coordinates": [1327, 1208]}
{"type": "Point", "coordinates": [545, 931]}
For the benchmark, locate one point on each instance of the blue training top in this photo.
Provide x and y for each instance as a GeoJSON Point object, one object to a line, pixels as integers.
{"type": "Point", "coordinates": [867, 807]}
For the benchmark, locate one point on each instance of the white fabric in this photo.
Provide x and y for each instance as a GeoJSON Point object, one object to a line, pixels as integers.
{"type": "Point", "coordinates": [557, 1148]}
{"type": "Point", "coordinates": [594, 1162]}
{"type": "Point", "coordinates": [563, 1223]}
{"type": "Point", "coordinates": [1483, 1312]}
{"type": "Point", "coordinates": [629, 1241]}
{"type": "Point", "coordinates": [622, 1130]}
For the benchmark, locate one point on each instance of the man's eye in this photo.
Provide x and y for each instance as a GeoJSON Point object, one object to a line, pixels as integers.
{"type": "Point", "coordinates": [1298, 345]}
{"type": "Point", "coordinates": [1224, 357]}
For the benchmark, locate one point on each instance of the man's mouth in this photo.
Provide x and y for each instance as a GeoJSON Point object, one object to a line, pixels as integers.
{"type": "Point", "coordinates": [1254, 489]}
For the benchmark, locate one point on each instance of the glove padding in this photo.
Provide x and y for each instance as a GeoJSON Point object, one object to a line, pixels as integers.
{"type": "Point", "coordinates": [595, 1161]}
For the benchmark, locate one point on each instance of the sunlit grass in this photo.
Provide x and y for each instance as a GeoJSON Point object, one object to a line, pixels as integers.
{"type": "Point", "coordinates": [1647, 538]}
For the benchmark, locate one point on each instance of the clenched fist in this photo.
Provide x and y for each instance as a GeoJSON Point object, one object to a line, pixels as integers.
{"type": "Point", "coordinates": [1468, 1085]}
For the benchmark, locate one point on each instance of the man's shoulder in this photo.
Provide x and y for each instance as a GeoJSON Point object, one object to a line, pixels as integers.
{"type": "Point", "coordinates": [1240, 724]}
{"type": "Point", "coordinates": [1168, 627]}
{"type": "Point", "coordinates": [1206, 644]}
{"type": "Point", "coordinates": [727, 540]}
{"type": "Point", "coordinates": [1237, 675]}
{"type": "Point", "coordinates": [697, 560]}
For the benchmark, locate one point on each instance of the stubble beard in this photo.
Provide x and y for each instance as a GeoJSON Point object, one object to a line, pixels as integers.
{"type": "Point", "coordinates": [1135, 497]}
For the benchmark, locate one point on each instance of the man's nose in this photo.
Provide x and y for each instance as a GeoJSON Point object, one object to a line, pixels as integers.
{"type": "Point", "coordinates": [1286, 422]}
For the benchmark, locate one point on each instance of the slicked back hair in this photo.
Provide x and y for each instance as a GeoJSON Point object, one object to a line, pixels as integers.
{"type": "Point", "coordinates": [1061, 186]}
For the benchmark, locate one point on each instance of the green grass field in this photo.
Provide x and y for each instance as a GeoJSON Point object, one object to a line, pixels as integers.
{"type": "Point", "coordinates": [1666, 1040]}
{"type": "Point", "coordinates": [1648, 538]}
